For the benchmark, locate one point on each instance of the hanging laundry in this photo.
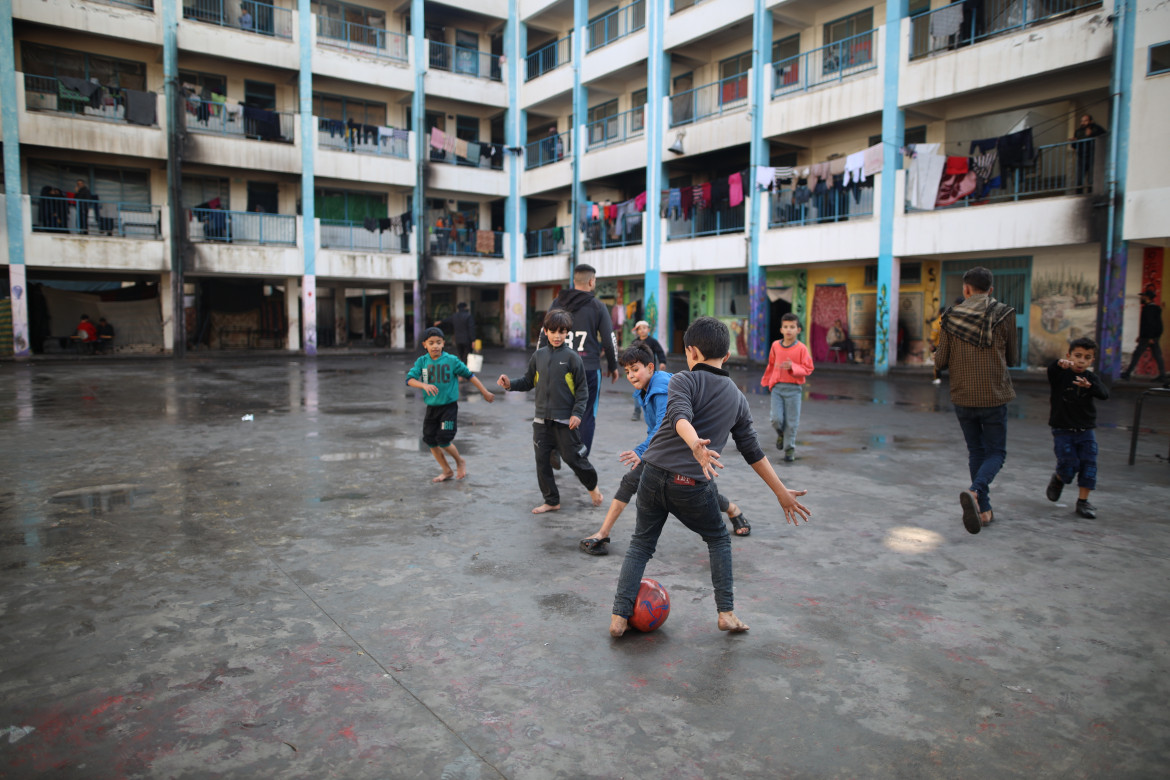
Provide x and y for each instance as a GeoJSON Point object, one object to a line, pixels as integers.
{"type": "Point", "coordinates": [438, 138]}
{"type": "Point", "coordinates": [735, 189]}
{"type": "Point", "coordinates": [946, 21]}
{"type": "Point", "coordinates": [765, 177]}
{"type": "Point", "coordinates": [473, 151]}
{"type": "Point", "coordinates": [449, 144]}
{"type": "Point", "coordinates": [370, 224]}
{"type": "Point", "coordinates": [957, 165]}
{"type": "Point", "coordinates": [923, 176]}
{"type": "Point", "coordinates": [983, 145]}
{"type": "Point", "coordinates": [954, 188]}
{"type": "Point", "coordinates": [719, 192]}
{"type": "Point", "coordinates": [984, 165]}
{"type": "Point", "coordinates": [783, 174]}
{"type": "Point", "coordinates": [874, 160]}
{"type": "Point", "coordinates": [837, 166]}
{"type": "Point", "coordinates": [816, 173]}
{"type": "Point", "coordinates": [687, 201]}
{"type": "Point", "coordinates": [460, 148]}
{"type": "Point", "coordinates": [640, 201]}
{"type": "Point", "coordinates": [385, 224]}
{"type": "Point", "coordinates": [855, 168]}
{"type": "Point", "coordinates": [706, 199]}
{"type": "Point", "coordinates": [674, 203]}
{"type": "Point", "coordinates": [140, 107]}
{"type": "Point", "coordinates": [558, 235]}
{"type": "Point", "coordinates": [485, 242]}
{"type": "Point", "coordinates": [1016, 150]}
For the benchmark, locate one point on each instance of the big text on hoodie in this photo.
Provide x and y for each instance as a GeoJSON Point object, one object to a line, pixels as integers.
{"type": "Point", "coordinates": [590, 318]}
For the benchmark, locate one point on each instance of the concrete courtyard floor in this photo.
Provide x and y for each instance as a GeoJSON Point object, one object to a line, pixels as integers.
{"type": "Point", "coordinates": [187, 594]}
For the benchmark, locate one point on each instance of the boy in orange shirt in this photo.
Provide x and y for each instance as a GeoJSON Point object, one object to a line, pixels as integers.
{"type": "Point", "coordinates": [788, 364]}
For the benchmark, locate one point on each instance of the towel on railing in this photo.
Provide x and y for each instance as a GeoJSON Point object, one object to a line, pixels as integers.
{"type": "Point", "coordinates": [735, 189]}
{"type": "Point", "coordinates": [485, 242]}
{"type": "Point", "coordinates": [765, 177]}
{"type": "Point", "coordinates": [140, 107]}
{"type": "Point", "coordinates": [874, 160]}
{"type": "Point", "coordinates": [855, 168]}
{"type": "Point", "coordinates": [438, 138]}
{"type": "Point", "coordinates": [461, 150]}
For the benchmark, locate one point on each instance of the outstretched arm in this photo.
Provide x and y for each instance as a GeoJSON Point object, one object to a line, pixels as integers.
{"type": "Point", "coordinates": [794, 511]}
{"type": "Point", "coordinates": [487, 394]}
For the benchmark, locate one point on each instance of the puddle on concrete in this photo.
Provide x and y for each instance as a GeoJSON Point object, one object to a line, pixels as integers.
{"type": "Point", "coordinates": [99, 499]}
{"type": "Point", "coordinates": [339, 497]}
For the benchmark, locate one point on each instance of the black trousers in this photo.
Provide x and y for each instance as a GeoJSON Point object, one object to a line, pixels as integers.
{"type": "Point", "coordinates": [551, 435]}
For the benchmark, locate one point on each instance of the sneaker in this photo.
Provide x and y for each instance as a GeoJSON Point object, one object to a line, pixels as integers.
{"type": "Point", "coordinates": [780, 442]}
{"type": "Point", "coordinates": [1086, 510]}
{"type": "Point", "coordinates": [1055, 486]}
{"type": "Point", "coordinates": [790, 455]}
{"type": "Point", "coordinates": [555, 460]}
{"type": "Point", "coordinates": [636, 416]}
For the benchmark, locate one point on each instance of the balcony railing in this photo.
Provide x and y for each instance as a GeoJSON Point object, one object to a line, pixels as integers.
{"type": "Point", "coordinates": [601, 234]}
{"type": "Point", "coordinates": [834, 62]}
{"type": "Point", "coordinates": [951, 27]}
{"type": "Point", "coordinates": [45, 93]}
{"type": "Point", "coordinates": [249, 15]}
{"type": "Point", "coordinates": [1070, 168]}
{"type": "Point", "coordinates": [464, 242]}
{"type": "Point", "coordinates": [363, 139]}
{"type": "Point", "coordinates": [340, 234]}
{"type": "Point", "coordinates": [216, 118]}
{"type": "Point", "coordinates": [839, 205]}
{"type": "Point", "coordinates": [241, 227]}
{"type": "Point", "coordinates": [467, 62]}
{"type": "Point", "coordinates": [616, 24]}
{"type": "Point", "coordinates": [616, 129]}
{"type": "Point", "coordinates": [545, 242]}
{"type": "Point", "coordinates": [361, 39]}
{"type": "Point", "coordinates": [96, 218]}
{"type": "Point", "coordinates": [715, 99]}
{"type": "Point", "coordinates": [547, 150]}
{"type": "Point", "coordinates": [707, 222]}
{"type": "Point", "coordinates": [548, 58]}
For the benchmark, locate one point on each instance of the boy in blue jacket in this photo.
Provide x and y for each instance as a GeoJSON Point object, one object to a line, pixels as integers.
{"type": "Point", "coordinates": [436, 374]}
{"type": "Point", "coordinates": [649, 395]}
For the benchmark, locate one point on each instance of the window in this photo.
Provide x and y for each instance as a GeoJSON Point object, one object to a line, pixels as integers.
{"type": "Point", "coordinates": [346, 206]}
{"type": "Point", "coordinates": [1159, 59]}
{"type": "Point", "coordinates": [112, 185]}
{"type": "Point", "coordinates": [919, 7]}
{"type": "Point", "coordinates": [260, 94]}
{"type": "Point", "coordinates": [637, 110]}
{"type": "Point", "coordinates": [201, 189]}
{"type": "Point", "coordinates": [731, 296]}
{"type": "Point", "coordinates": [853, 50]}
{"type": "Point", "coordinates": [362, 112]}
{"type": "Point", "coordinates": [733, 78]}
{"type": "Point", "coordinates": [911, 273]}
{"type": "Point", "coordinates": [912, 135]}
{"type": "Point", "coordinates": [786, 60]}
{"type": "Point", "coordinates": [40, 60]}
{"type": "Point", "coordinates": [345, 22]}
{"type": "Point", "coordinates": [601, 131]}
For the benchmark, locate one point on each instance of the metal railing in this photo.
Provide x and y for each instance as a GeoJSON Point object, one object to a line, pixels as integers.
{"type": "Point", "coordinates": [834, 62]}
{"type": "Point", "coordinates": [495, 163]}
{"type": "Point", "coordinates": [546, 151]}
{"type": "Point", "coordinates": [616, 129]}
{"type": "Point", "coordinates": [1070, 168]}
{"type": "Point", "coordinates": [216, 118]}
{"type": "Point", "coordinates": [707, 222]}
{"type": "Point", "coordinates": [96, 217]}
{"type": "Point", "coordinates": [546, 242]}
{"type": "Point", "coordinates": [790, 208]}
{"type": "Point", "coordinates": [548, 58]}
{"type": "Point", "coordinates": [247, 15]}
{"type": "Point", "coordinates": [241, 227]}
{"type": "Point", "coordinates": [46, 93]}
{"type": "Point", "coordinates": [467, 62]}
{"type": "Point", "coordinates": [953, 27]}
{"type": "Point", "coordinates": [603, 234]}
{"type": "Point", "coordinates": [362, 39]}
{"type": "Point", "coordinates": [464, 242]}
{"type": "Point", "coordinates": [725, 95]}
{"type": "Point", "coordinates": [340, 234]}
{"type": "Point", "coordinates": [616, 24]}
{"type": "Point", "coordinates": [363, 139]}
{"type": "Point", "coordinates": [140, 5]}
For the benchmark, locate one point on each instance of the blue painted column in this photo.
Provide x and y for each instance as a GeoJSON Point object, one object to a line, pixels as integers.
{"type": "Point", "coordinates": [13, 200]}
{"type": "Point", "coordinates": [308, 158]}
{"type": "Point", "coordinates": [756, 205]}
{"type": "Point", "coordinates": [580, 111]}
{"type": "Point", "coordinates": [1114, 254]}
{"type": "Point", "coordinates": [515, 209]}
{"type": "Point", "coordinates": [893, 138]}
{"type": "Point", "coordinates": [419, 123]}
{"type": "Point", "coordinates": [654, 298]}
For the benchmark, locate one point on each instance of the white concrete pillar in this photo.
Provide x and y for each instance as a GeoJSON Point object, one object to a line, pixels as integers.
{"type": "Point", "coordinates": [166, 302]}
{"type": "Point", "coordinates": [309, 307]}
{"type": "Point", "coordinates": [397, 315]}
{"type": "Point", "coordinates": [292, 309]}
{"type": "Point", "coordinates": [515, 315]}
{"type": "Point", "coordinates": [340, 316]}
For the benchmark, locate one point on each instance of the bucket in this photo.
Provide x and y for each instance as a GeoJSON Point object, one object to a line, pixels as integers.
{"type": "Point", "coordinates": [475, 363]}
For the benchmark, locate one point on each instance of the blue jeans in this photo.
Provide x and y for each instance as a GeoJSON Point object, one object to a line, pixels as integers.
{"type": "Point", "coordinates": [1076, 456]}
{"type": "Point", "coordinates": [697, 506]}
{"type": "Point", "coordinates": [589, 419]}
{"type": "Point", "coordinates": [985, 429]}
{"type": "Point", "coordinates": [786, 411]}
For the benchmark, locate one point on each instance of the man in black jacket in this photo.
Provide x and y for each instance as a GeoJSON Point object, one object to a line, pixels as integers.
{"type": "Point", "coordinates": [1149, 332]}
{"type": "Point", "coordinates": [592, 333]}
{"type": "Point", "coordinates": [463, 324]}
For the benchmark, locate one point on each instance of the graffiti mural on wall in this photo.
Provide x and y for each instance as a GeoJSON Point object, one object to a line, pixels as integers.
{"type": "Point", "coordinates": [1064, 307]}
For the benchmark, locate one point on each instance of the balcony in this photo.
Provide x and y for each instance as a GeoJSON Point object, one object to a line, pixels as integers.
{"type": "Point", "coordinates": [465, 62]}
{"type": "Point", "coordinates": [710, 100]}
{"type": "Point", "coordinates": [80, 98]}
{"type": "Point", "coordinates": [546, 242]}
{"type": "Point", "coordinates": [67, 216]}
{"type": "Point", "coordinates": [236, 121]}
{"type": "Point", "coordinates": [129, 20]}
{"type": "Point", "coordinates": [217, 226]}
{"type": "Point", "coordinates": [615, 25]}
{"type": "Point", "coordinates": [707, 222]}
{"type": "Point", "coordinates": [464, 242]}
{"type": "Point", "coordinates": [357, 236]}
{"type": "Point", "coordinates": [466, 75]}
{"type": "Point", "coordinates": [601, 234]}
{"type": "Point", "coordinates": [547, 150]}
{"type": "Point", "coordinates": [249, 16]}
{"type": "Point", "coordinates": [548, 58]}
{"type": "Point", "coordinates": [949, 28]}
{"type": "Point", "coordinates": [616, 129]}
{"type": "Point", "coordinates": [138, 5]}
{"type": "Point", "coordinates": [826, 65]}
{"type": "Point", "coordinates": [56, 115]}
{"type": "Point", "coordinates": [363, 40]}
{"type": "Point", "coordinates": [839, 205]}
{"type": "Point", "coordinates": [338, 136]}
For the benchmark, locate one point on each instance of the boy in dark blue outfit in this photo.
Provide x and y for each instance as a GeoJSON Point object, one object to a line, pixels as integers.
{"type": "Point", "coordinates": [703, 407]}
{"type": "Point", "coordinates": [1072, 418]}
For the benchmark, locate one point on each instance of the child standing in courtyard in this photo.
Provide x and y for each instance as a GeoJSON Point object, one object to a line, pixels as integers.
{"type": "Point", "coordinates": [558, 374]}
{"type": "Point", "coordinates": [435, 373]}
{"type": "Point", "coordinates": [788, 364]}
{"type": "Point", "coordinates": [1073, 417]}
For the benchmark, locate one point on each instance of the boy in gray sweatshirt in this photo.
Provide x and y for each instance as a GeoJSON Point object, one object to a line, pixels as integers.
{"type": "Point", "coordinates": [703, 407]}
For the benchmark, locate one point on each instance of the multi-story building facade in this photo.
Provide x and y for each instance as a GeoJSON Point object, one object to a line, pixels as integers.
{"type": "Point", "coordinates": [305, 175]}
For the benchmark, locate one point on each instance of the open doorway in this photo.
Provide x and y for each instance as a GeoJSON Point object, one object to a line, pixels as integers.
{"type": "Point", "coordinates": [680, 318]}
{"type": "Point", "coordinates": [779, 304]}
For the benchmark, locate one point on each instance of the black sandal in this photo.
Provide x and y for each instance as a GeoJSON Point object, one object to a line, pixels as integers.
{"type": "Point", "coordinates": [593, 546]}
{"type": "Point", "coordinates": [739, 522]}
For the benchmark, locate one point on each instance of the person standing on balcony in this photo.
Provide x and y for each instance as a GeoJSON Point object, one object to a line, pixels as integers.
{"type": "Point", "coordinates": [593, 332]}
{"type": "Point", "coordinates": [245, 17]}
{"type": "Point", "coordinates": [1085, 151]}
{"type": "Point", "coordinates": [978, 343]}
{"type": "Point", "coordinates": [85, 199]}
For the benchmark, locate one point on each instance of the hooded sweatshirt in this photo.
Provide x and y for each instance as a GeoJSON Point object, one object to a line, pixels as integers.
{"type": "Point", "coordinates": [590, 319]}
{"type": "Point", "coordinates": [652, 399]}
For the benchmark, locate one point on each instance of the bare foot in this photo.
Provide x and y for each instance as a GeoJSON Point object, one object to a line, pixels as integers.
{"type": "Point", "coordinates": [618, 624]}
{"type": "Point", "coordinates": [595, 494]}
{"type": "Point", "coordinates": [729, 622]}
{"type": "Point", "coordinates": [540, 510]}
{"type": "Point", "coordinates": [460, 468]}
{"type": "Point", "coordinates": [446, 475]}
